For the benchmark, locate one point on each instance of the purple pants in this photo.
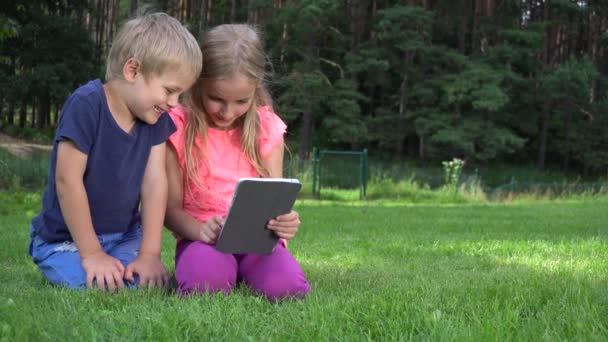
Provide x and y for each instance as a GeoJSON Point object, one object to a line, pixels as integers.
{"type": "Point", "coordinates": [200, 268]}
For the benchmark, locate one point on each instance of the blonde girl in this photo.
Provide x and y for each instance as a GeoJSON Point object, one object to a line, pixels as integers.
{"type": "Point", "coordinates": [227, 130]}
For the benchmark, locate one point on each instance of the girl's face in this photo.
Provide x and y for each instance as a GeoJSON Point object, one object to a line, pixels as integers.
{"type": "Point", "coordinates": [226, 100]}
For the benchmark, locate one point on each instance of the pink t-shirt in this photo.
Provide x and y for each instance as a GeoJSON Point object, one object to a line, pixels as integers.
{"type": "Point", "coordinates": [226, 160]}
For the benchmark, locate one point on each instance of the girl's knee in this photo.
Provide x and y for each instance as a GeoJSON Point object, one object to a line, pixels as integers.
{"type": "Point", "coordinates": [204, 283]}
{"type": "Point", "coordinates": [282, 287]}
{"type": "Point", "coordinates": [216, 274]}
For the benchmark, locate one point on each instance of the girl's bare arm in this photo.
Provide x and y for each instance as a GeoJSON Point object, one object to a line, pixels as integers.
{"type": "Point", "coordinates": [176, 219]}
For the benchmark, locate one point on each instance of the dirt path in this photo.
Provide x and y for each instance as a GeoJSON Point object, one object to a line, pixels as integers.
{"type": "Point", "coordinates": [20, 147]}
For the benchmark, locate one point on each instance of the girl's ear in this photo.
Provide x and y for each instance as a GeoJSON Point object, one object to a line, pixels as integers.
{"type": "Point", "coordinates": [131, 69]}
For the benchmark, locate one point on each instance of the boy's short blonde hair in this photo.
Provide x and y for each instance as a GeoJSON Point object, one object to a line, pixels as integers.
{"type": "Point", "coordinates": [159, 42]}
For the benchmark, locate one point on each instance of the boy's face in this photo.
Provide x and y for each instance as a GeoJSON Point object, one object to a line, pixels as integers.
{"type": "Point", "coordinates": [226, 100]}
{"type": "Point", "coordinates": [155, 94]}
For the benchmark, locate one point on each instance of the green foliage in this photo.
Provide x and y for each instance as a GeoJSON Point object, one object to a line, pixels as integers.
{"type": "Point", "coordinates": [49, 57]}
{"type": "Point", "coordinates": [19, 201]}
{"type": "Point", "coordinates": [8, 27]}
{"type": "Point", "coordinates": [28, 172]}
{"type": "Point", "coordinates": [292, 104]}
{"type": "Point", "coordinates": [405, 28]}
{"type": "Point", "coordinates": [570, 89]}
{"type": "Point", "coordinates": [477, 86]}
{"type": "Point", "coordinates": [343, 123]}
{"type": "Point", "coordinates": [37, 135]}
{"type": "Point", "coordinates": [431, 82]}
{"type": "Point", "coordinates": [571, 81]}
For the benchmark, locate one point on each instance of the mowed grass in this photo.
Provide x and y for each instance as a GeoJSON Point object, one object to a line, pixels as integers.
{"type": "Point", "coordinates": [520, 271]}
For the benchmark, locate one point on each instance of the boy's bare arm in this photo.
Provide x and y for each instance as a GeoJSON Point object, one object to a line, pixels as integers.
{"type": "Point", "coordinates": [153, 201]}
{"type": "Point", "coordinates": [73, 200]}
{"type": "Point", "coordinates": [71, 164]}
{"type": "Point", "coordinates": [176, 219]}
{"type": "Point", "coordinates": [148, 264]}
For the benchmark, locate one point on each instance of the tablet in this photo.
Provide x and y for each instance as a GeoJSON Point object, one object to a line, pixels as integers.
{"type": "Point", "coordinates": [255, 202]}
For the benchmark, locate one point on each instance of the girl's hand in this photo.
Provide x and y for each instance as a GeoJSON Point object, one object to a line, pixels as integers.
{"type": "Point", "coordinates": [210, 229]}
{"type": "Point", "coordinates": [150, 269]}
{"type": "Point", "coordinates": [285, 226]}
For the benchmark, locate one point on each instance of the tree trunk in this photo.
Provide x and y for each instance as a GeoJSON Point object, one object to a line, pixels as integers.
{"type": "Point", "coordinates": [10, 115]}
{"type": "Point", "coordinates": [567, 148]}
{"type": "Point", "coordinates": [208, 19]}
{"type": "Point", "coordinates": [112, 25]}
{"type": "Point", "coordinates": [34, 113]}
{"type": "Point", "coordinates": [202, 17]}
{"type": "Point", "coordinates": [356, 11]}
{"type": "Point", "coordinates": [98, 34]}
{"type": "Point", "coordinates": [374, 10]}
{"type": "Point", "coordinates": [57, 113]}
{"type": "Point", "coordinates": [252, 13]}
{"type": "Point", "coordinates": [284, 43]}
{"type": "Point", "coordinates": [400, 140]}
{"type": "Point", "coordinates": [80, 13]}
{"type": "Point", "coordinates": [305, 133]}
{"type": "Point", "coordinates": [478, 13]}
{"type": "Point", "coordinates": [133, 8]}
{"type": "Point", "coordinates": [232, 11]}
{"type": "Point", "coordinates": [421, 147]}
{"type": "Point", "coordinates": [194, 8]}
{"type": "Point", "coordinates": [462, 36]}
{"type": "Point", "coordinates": [586, 168]}
{"type": "Point", "coordinates": [307, 115]}
{"type": "Point", "coordinates": [545, 118]}
{"type": "Point", "coordinates": [545, 115]}
{"type": "Point", "coordinates": [22, 114]}
{"type": "Point", "coordinates": [44, 112]}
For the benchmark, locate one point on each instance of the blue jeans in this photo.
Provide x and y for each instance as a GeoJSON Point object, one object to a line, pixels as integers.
{"type": "Point", "coordinates": [60, 262]}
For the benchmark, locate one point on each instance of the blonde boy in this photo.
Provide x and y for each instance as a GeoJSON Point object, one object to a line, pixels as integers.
{"type": "Point", "coordinates": [108, 156]}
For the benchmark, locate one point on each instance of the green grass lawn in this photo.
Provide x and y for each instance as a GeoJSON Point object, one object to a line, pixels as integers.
{"type": "Point", "coordinates": [519, 271]}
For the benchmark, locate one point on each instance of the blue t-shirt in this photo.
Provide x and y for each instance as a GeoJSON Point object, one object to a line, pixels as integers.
{"type": "Point", "coordinates": [115, 165]}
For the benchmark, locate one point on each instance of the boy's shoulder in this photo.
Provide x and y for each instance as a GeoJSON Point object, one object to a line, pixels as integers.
{"type": "Point", "coordinates": [92, 89]}
{"type": "Point", "coordinates": [88, 96]}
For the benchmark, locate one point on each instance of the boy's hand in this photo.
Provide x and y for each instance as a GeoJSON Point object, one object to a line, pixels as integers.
{"type": "Point", "coordinates": [105, 270]}
{"type": "Point", "coordinates": [211, 229]}
{"type": "Point", "coordinates": [285, 226]}
{"type": "Point", "coordinates": [150, 269]}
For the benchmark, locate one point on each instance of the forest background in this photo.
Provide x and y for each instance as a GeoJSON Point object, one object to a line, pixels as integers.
{"type": "Point", "coordinates": [488, 81]}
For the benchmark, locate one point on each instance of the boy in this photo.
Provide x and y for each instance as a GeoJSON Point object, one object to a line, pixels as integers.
{"type": "Point", "coordinates": [109, 152]}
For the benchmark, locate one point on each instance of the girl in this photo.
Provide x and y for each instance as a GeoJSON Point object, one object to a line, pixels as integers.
{"type": "Point", "coordinates": [227, 131]}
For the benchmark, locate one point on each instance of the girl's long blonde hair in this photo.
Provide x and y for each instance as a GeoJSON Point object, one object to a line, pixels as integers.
{"type": "Point", "coordinates": [228, 50]}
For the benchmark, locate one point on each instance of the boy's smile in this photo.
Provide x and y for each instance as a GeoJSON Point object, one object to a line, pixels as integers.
{"type": "Point", "coordinates": [154, 94]}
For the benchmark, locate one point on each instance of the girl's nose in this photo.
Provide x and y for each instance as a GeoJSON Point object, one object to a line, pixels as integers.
{"type": "Point", "coordinates": [227, 110]}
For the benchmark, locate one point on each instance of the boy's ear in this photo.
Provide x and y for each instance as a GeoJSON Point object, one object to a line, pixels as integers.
{"type": "Point", "coordinates": [131, 69]}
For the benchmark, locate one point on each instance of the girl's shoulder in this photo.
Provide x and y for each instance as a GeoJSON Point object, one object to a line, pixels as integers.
{"type": "Point", "coordinates": [269, 120]}
{"type": "Point", "coordinates": [272, 129]}
{"type": "Point", "coordinates": [178, 115]}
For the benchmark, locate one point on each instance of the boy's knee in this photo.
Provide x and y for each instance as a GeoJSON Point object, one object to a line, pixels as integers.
{"type": "Point", "coordinates": [59, 263]}
{"type": "Point", "coordinates": [70, 276]}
